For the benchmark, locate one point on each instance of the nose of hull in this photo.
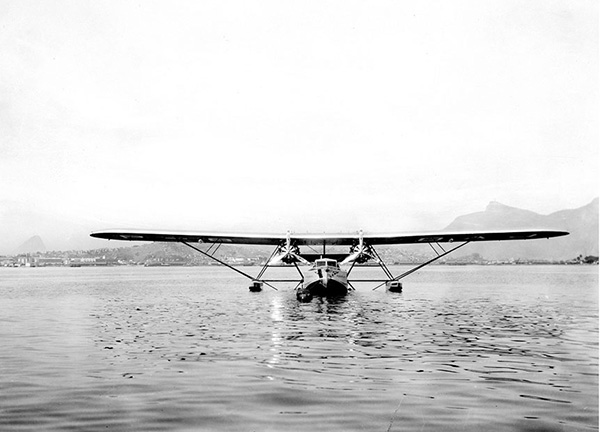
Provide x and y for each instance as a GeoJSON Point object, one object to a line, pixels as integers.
{"type": "Point", "coordinates": [323, 282]}
{"type": "Point", "coordinates": [321, 288]}
{"type": "Point", "coordinates": [323, 277]}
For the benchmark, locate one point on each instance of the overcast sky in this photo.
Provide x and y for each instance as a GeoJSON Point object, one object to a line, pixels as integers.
{"type": "Point", "coordinates": [304, 115]}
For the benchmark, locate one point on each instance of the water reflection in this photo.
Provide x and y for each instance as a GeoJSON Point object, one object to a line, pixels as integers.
{"type": "Point", "coordinates": [276, 339]}
{"type": "Point", "coordinates": [300, 330]}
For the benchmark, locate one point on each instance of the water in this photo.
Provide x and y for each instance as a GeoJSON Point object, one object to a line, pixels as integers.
{"type": "Point", "coordinates": [141, 349]}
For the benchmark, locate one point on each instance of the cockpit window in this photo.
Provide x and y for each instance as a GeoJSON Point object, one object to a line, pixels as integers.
{"type": "Point", "coordinates": [326, 263]}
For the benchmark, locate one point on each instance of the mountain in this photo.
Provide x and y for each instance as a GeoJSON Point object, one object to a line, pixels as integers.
{"type": "Point", "coordinates": [19, 222]}
{"type": "Point", "coordinates": [34, 244]}
{"type": "Point", "coordinates": [581, 223]}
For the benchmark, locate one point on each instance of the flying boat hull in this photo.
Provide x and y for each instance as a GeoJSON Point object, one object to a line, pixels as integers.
{"type": "Point", "coordinates": [323, 282]}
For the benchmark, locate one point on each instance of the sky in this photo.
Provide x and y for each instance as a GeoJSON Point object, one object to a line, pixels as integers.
{"type": "Point", "coordinates": [315, 116]}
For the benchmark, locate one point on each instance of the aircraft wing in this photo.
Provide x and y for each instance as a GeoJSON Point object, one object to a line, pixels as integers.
{"type": "Point", "coordinates": [190, 237]}
{"type": "Point", "coordinates": [449, 237]}
{"type": "Point", "coordinates": [324, 239]}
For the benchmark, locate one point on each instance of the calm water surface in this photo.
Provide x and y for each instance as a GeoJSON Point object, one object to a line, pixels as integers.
{"type": "Point", "coordinates": [463, 348]}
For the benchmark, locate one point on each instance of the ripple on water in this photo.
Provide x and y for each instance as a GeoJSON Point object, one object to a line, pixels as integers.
{"type": "Point", "coordinates": [188, 349]}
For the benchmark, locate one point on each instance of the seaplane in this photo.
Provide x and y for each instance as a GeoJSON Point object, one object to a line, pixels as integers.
{"type": "Point", "coordinates": [327, 272]}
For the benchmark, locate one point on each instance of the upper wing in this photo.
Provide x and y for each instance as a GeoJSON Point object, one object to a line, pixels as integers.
{"type": "Point", "coordinates": [325, 239]}
{"type": "Point", "coordinates": [190, 237]}
{"type": "Point", "coordinates": [449, 237]}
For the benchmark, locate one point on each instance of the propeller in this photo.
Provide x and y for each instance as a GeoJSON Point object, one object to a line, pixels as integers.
{"type": "Point", "coordinates": [288, 253]}
{"type": "Point", "coordinates": [359, 253]}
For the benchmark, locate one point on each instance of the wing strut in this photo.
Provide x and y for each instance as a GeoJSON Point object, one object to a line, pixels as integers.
{"type": "Point", "coordinates": [264, 268]}
{"type": "Point", "coordinates": [267, 265]}
{"type": "Point", "coordinates": [387, 271]}
{"type": "Point", "coordinates": [212, 252]}
{"type": "Point", "coordinates": [301, 275]}
{"type": "Point", "coordinates": [351, 267]}
{"type": "Point", "coordinates": [403, 275]}
{"type": "Point", "coordinates": [227, 265]}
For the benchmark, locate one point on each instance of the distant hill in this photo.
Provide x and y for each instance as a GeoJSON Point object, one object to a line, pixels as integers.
{"type": "Point", "coordinates": [34, 244]}
{"type": "Point", "coordinates": [156, 252]}
{"type": "Point", "coordinates": [19, 222]}
{"type": "Point", "coordinates": [582, 223]}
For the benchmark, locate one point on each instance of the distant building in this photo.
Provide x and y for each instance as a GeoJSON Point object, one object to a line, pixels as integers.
{"type": "Point", "coordinates": [48, 262]}
{"type": "Point", "coordinates": [91, 261]}
{"type": "Point", "coordinates": [25, 261]}
{"type": "Point", "coordinates": [8, 262]}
